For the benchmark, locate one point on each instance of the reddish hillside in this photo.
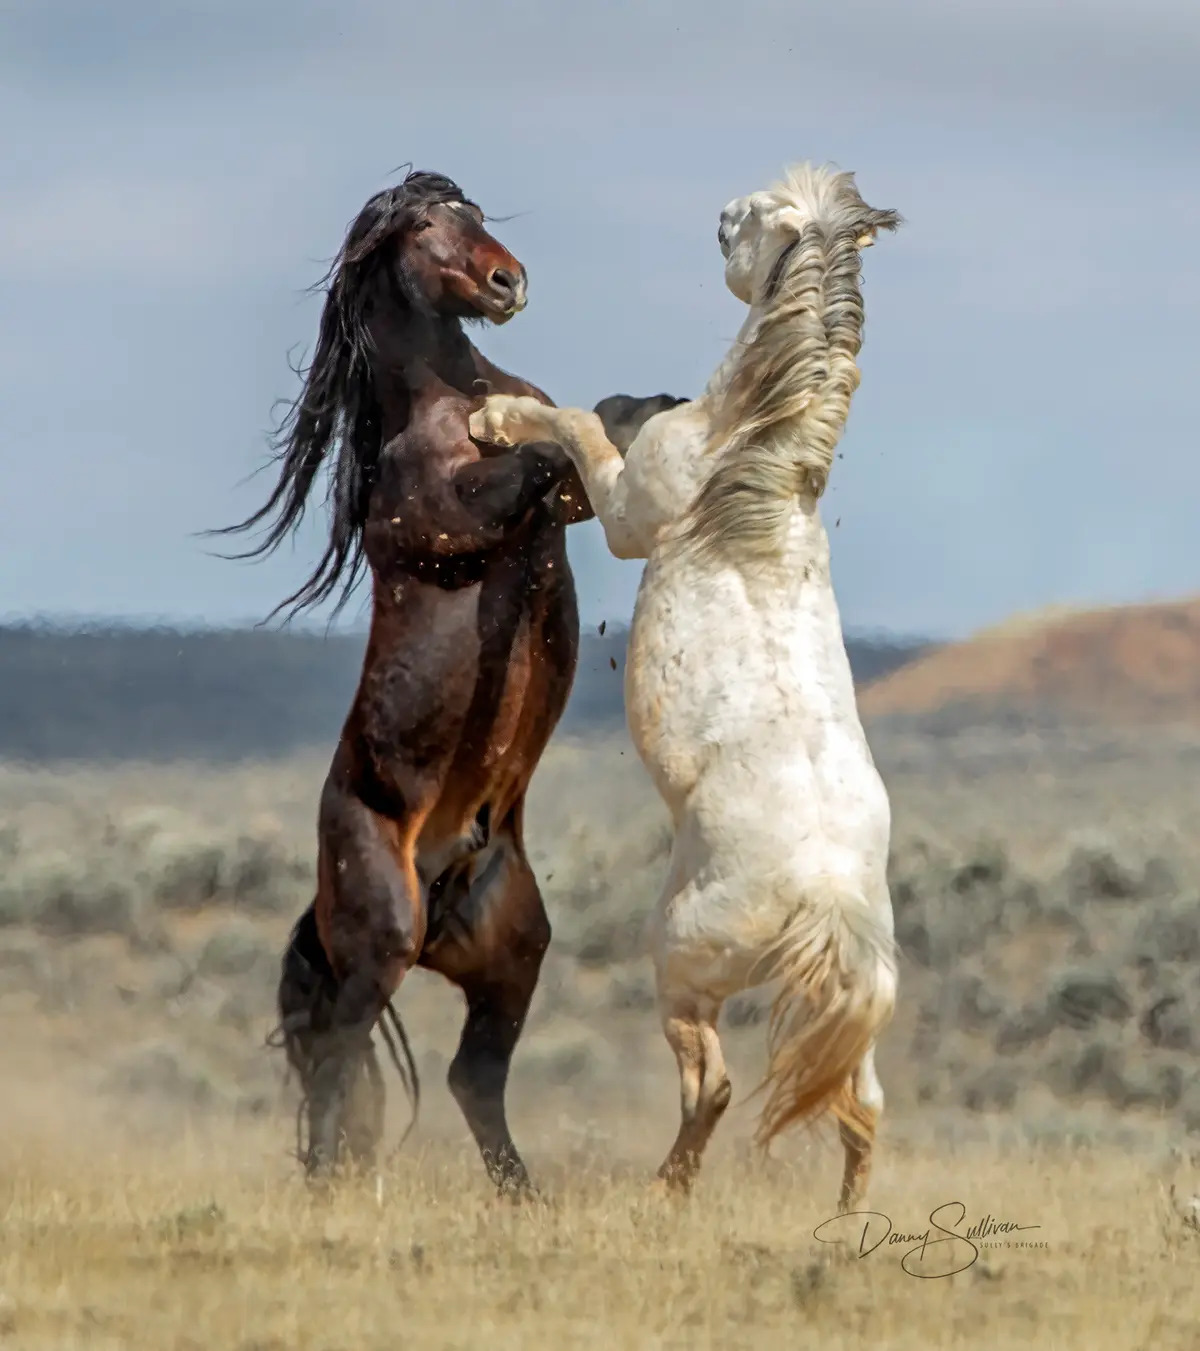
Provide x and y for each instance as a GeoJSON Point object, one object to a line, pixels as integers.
{"type": "Point", "coordinates": [1137, 663]}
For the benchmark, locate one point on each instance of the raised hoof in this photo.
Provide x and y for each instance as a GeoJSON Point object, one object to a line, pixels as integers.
{"type": "Point", "coordinates": [480, 425]}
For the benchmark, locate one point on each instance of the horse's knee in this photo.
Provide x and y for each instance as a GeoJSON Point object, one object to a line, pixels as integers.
{"type": "Point", "coordinates": [495, 1018]}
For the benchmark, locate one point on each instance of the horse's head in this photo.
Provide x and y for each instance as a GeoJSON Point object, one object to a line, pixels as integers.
{"type": "Point", "coordinates": [757, 231]}
{"type": "Point", "coordinates": [624, 415]}
{"type": "Point", "coordinates": [415, 252]}
{"type": "Point", "coordinates": [432, 240]}
{"type": "Point", "coordinates": [459, 266]}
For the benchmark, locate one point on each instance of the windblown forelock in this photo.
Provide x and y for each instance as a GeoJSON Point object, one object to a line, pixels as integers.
{"type": "Point", "coordinates": [431, 189]}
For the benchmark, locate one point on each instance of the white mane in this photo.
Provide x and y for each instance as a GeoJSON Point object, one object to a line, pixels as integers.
{"type": "Point", "coordinates": [788, 394]}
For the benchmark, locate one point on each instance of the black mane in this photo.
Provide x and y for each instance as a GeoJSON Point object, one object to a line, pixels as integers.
{"type": "Point", "coordinates": [337, 408]}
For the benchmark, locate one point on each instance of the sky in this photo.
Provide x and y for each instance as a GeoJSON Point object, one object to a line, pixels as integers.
{"type": "Point", "coordinates": [175, 175]}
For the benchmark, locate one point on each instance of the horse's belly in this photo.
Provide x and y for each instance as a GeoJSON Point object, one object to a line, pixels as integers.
{"type": "Point", "coordinates": [684, 676]}
{"type": "Point", "coordinates": [502, 740]}
{"type": "Point", "coordinates": [717, 677]}
{"type": "Point", "coordinates": [535, 695]}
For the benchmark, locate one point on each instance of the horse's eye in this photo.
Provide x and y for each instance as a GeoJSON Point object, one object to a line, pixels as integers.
{"type": "Point", "coordinates": [422, 225]}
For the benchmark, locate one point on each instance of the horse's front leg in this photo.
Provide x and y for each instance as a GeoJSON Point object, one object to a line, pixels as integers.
{"type": "Point", "coordinates": [570, 505]}
{"type": "Point", "coordinates": [517, 419]}
{"type": "Point", "coordinates": [505, 420]}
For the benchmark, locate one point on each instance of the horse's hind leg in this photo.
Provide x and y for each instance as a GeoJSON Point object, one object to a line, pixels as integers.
{"type": "Point", "coordinates": [491, 944]}
{"type": "Point", "coordinates": [865, 1086]}
{"type": "Point", "coordinates": [306, 996]}
{"type": "Point", "coordinates": [371, 915]}
{"type": "Point", "coordinates": [690, 1025]}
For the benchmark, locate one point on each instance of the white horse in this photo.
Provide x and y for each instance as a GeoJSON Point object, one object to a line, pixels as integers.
{"type": "Point", "coordinates": [738, 690]}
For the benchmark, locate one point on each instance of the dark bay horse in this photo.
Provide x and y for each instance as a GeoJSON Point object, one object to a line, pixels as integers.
{"type": "Point", "coordinates": [468, 665]}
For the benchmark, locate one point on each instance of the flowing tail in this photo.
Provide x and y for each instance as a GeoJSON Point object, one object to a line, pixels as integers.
{"type": "Point", "coordinates": [837, 967]}
{"type": "Point", "coordinates": [784, 408]}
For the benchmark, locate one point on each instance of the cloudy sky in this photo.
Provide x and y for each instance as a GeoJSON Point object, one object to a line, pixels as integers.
{"type": "Point", "coordinates": [175, 174]}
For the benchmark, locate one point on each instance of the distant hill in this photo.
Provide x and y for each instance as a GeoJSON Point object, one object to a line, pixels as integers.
{"type": "Point", "coordinates": [155, 694]}
{"type": "Point", "coordinates": [1132, 665]}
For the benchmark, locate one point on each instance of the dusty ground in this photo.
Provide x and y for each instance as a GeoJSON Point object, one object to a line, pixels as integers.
{"type": "Point", "coordinates": [1041, 1070]}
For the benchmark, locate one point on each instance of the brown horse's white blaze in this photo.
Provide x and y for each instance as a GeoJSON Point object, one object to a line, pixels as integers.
{"type": "Point", "coordinates": [738, 689]}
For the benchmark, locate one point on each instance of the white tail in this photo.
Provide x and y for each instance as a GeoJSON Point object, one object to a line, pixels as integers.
{"type": "Point", "coordinates": [786, 403]}
{"type": "Point", "coordinates": [837, 966]}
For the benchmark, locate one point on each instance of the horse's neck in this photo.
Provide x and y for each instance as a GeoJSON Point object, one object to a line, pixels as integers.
{"type": "Point", "coordinates": [719, 381]}
{"type": "Point", "coordinates": [417, 360]}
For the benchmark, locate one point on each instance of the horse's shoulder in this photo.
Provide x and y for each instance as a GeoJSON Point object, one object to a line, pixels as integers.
{"type": "Point", "coordinates": [666, 454]}
{"type": "Point", "coordinates": [434, 441]}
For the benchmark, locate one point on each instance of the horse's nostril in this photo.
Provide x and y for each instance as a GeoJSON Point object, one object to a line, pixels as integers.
{"type": "Point", "coordinates": [503, 280]}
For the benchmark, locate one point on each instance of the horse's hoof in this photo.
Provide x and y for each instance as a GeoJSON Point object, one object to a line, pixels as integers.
{"type": "Point", "coordinates": [483, 427]}
{"type": "Point", "coordinates": [669, 1189]}
{"type": "Point", "coordinates": [518, 1194]}
{"type": "Point", "coordinates": [319, 1173]}
{"type": "Point", "coordinates": [320, 1186]}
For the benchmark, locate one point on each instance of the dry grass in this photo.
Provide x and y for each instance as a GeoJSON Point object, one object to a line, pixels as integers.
{"type": "Point", "coordinates": [182, 1248]}
{"type": "Point", "coordinates": [1040, 1069]}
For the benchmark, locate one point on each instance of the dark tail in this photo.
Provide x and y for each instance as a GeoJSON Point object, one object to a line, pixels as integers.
{"type": "Point", "coordinates": [406, 1070]}
{"type": "Point", "coordinates": [307, 993]}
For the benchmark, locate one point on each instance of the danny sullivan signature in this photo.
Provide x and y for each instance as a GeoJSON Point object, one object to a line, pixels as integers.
{"type": "Point", "coordinates": [870, 1229]}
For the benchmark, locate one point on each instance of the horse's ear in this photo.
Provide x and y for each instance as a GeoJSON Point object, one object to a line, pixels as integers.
{"type": "Point", "coordinates": [873, 222]}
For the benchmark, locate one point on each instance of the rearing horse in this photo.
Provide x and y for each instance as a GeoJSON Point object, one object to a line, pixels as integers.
{"type": "Point", "coordinates": [738, 690]}
{"type": "Point", "coordinates": [469, 662]}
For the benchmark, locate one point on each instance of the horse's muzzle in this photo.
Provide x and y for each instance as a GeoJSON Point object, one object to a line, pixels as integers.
{"type": "Point", "coordinates": [508, 293]}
